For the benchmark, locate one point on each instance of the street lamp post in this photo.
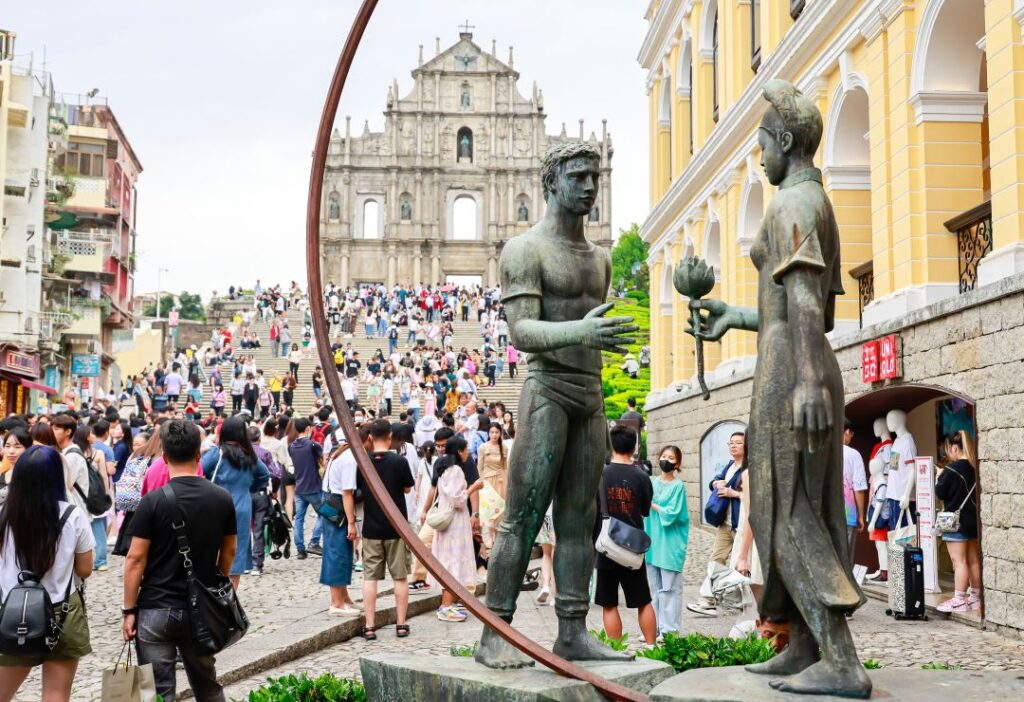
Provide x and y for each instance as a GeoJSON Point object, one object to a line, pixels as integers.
{"type": "Point", "coordinates": [158, 272]}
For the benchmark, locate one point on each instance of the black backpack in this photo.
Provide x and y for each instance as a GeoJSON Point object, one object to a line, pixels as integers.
{"type": "Point", "coordinates": [97, 501]}
{"type": "Point", "coordinates": [28, 624]}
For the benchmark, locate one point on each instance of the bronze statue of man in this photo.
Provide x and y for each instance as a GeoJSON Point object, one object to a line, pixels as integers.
{"type": "Point", "coordinates": [794, 439]}
{"type": "Point", "coordinates": [554, 283]}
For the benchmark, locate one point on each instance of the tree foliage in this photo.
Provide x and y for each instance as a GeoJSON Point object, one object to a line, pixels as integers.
{"type": "Point", "coordinates": [629, 255]}
{"type": "Point", "coordinates": [189, 306]}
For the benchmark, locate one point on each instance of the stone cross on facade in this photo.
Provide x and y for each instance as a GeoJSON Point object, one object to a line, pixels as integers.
{"type": "Point", "coordinates": [466, 27]}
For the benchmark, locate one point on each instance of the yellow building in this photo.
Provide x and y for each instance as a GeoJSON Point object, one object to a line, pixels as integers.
{"type": "Point", "coordinates": [923, 158]}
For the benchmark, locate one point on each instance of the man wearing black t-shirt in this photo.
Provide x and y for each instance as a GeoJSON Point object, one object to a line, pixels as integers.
{"type": "Point", "coordinates": [381, 543]}
{"type": "Point", "coordinates": [352, 365]}
{"type": "Point", "coordinates": [628, 493]}
{"type": "Point", "coordinates": [155, 608]}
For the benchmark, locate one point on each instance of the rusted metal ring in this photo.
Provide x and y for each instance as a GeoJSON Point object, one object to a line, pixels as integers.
{"type": "Point", "coordinates": [366, 469]}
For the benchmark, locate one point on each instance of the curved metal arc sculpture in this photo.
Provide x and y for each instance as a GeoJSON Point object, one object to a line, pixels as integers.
{"type": "Point", "coordinates": [401, 525]}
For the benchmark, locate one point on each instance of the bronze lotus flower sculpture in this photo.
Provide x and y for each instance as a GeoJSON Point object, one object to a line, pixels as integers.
{"type": "Point", "coordinates": [694, 279]}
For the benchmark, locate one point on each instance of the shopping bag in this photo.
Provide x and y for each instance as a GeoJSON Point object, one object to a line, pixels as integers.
{"type": "Point", "coordinates": [903, 535]}
{"type": "Point", "coordinates": [127, 682]}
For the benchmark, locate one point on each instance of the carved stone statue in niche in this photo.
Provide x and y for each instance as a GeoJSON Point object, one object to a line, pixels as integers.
{"type": "Point", "coordinates": [524, 212]}
{"type": "Point", "coordinates": [406, 209]}
{"type": "Point", "coordinates": [465, 146]}
{"type": "Point", "coordinates": [333, 211]}
{"type": "Point", "coordinates": [464, 101]}
{"type": "Point", "coordinates": [595, 214]}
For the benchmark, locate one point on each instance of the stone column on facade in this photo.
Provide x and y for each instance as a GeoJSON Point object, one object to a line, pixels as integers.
{"type": "Point", "coordinates": [492, 266]}
{"type": "Point", "coordinates": [348, 140]}
{"type": "Point", "coordinates": [435, 263]}
{"type": "Point", "coordinates": [394, 213]}
{"type": "Point", "coordinates": [417, 272]}
{"type": "Point", "coordinates": [492, 201]}
{"type": "Point", "coordinates": [345, 256]}
{"type": "Point", "coordinates": [511, 199]}
{"type": "Point", "coordinates": [392, 264]}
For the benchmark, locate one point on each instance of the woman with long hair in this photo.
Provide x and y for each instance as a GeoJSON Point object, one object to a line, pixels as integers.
{"type": "Point", "coordinates": [493, 461]}
{"type": "Point", "coordinates": [35, 537]}
{"type": "Point", "coordinates": [83, 438]}
{"type": "Point", "coordinates": [288, 386]}
{"type": "Point", "coordinates": [15, 443]}
{"type": "Point", "coordinates": [453, 546]}
{"type": "Point", "coordinates": [233, 465]}
{"type": "Point", "coordinates": [957, 488]}
{"type": "Point", "coordinates": [669, 529]}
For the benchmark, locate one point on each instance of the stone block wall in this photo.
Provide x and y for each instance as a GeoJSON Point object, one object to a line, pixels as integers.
{"type": "Point", "coordinates": [971, 345]}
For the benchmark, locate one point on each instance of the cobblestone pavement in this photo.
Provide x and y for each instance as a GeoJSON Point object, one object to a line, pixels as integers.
{"type": "Point", "coordinates": [290, 587]}
{"type": "Point", "coordinates": [897, 644]}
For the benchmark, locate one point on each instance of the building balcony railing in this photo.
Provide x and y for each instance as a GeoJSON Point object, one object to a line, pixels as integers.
{"type": "Point", "coordinates": [973, 231]}
{"type": "Point", "coordinates": [864, 274]}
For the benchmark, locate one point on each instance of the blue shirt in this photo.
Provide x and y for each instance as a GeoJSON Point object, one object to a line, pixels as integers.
{"type": "Point", "coordinates": [306, 455]}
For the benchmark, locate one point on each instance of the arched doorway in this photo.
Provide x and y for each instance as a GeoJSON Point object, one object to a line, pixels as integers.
{"type": "Point", "coordinates": [931, 411]}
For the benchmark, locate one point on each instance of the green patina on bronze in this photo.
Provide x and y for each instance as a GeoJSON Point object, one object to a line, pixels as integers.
{"type": "Point", "coordinates": [794, 439]}
{"type": "Point", "coordinates": [554, 284]}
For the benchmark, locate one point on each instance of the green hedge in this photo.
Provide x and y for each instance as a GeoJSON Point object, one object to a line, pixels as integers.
{"type": "Point", "coordinates": [617, 385]}
{"type": "Point", "coordinates": [326, 688]}
{"type": "Point", "coordinates": [701, 651]}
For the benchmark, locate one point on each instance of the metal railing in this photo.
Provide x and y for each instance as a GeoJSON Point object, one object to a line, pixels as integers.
{"type": "Point", "coordinates": [864, 274]}
{"type": "Point", "coordinates": [973, 231]}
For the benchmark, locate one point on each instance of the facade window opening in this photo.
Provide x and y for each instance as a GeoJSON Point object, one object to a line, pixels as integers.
{"type": "Point", "coordinates": [755, 34]}
{"type": "Point", "coordinates": [371, 220]}
{"type": "Point", "coordinates": [464, 219]}
{"type": "Point", "coordinates": [714, 68]}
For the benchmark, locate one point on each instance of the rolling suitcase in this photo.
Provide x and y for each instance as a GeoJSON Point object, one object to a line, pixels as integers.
{"type": "Point", "coordinates": [906, 580]}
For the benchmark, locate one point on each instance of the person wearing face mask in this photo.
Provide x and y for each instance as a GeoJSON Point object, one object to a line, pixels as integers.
{"type": "Point", "coordinates": [669, 529]}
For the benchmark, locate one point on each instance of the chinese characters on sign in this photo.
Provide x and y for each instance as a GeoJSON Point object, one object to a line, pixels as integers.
{"type": "Point", "coordinates": [869, 362]}
{"type": "Point", "coordinates": [880, 360]}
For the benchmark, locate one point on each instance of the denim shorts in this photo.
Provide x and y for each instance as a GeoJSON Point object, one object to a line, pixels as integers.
{"type": "Point", "coordinates": [956, 537]}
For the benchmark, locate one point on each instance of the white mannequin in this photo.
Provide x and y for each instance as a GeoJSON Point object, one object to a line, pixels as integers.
{"type": "Point", "coordinates": [877, 468]}
{"type": "Point", "coordinates": [896, 421]}
{"type": "Point", "coordinates": [881, 429]}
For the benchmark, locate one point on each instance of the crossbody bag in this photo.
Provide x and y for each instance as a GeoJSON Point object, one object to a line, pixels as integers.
{"type": "Point", "coordinates": [947, 522]}
{"type": "Point", "coordinates": [623, 543]}
{"type": "Point", "coordinates": [216, 618]}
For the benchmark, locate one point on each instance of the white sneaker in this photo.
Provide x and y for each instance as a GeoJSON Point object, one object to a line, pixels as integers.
{"type": "Point", "coordinates": [344, 612]}
{"type": "Point", "coordinates": [543, 595]}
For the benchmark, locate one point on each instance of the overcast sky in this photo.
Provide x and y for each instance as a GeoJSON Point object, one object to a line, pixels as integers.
{"type": "Point", "coordinates": [220, 100]}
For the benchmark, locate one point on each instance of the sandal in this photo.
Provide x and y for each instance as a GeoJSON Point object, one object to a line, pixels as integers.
{"type": "Point", "coordinates": [401, 630]}
{"type": "Point", "coordinates": [369, 633]}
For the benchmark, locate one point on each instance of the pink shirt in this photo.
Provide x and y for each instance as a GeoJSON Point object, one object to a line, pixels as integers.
{"type": "Point", "coordinates": [513, 354]}
{"type": "Point", "coordinates": [158, 475]}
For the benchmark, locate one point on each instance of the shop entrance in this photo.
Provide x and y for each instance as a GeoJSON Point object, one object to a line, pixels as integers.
{"type": "Point", "coordinates": [931, 412]}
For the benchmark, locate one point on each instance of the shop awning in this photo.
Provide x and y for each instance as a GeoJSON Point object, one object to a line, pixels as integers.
{"type": "Point", "coordinates": [32, 385]}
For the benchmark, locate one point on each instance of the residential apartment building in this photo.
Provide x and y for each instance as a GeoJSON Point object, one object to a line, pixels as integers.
{"type": "Point", "coordinates": [24, 107]}
{"type": "Point", "coordinates": [95, 242]}
{"type": "Point", "coordinates": [923, 159]}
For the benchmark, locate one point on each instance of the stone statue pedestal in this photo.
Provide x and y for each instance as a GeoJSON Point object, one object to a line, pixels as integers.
{"type": "Point", "coordinates": [733, 684]}
{"type": "Point", "coordinates": [393, 677]}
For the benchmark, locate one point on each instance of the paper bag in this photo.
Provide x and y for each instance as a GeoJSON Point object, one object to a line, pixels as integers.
{"type": "Point", "coordinates": [129, 683]}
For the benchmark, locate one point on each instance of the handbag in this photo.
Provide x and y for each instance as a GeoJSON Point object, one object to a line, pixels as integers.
{"type": "Point", "coordinates": [440, 518]}
{"type": "Point", "coordinates": [332, 508]}
{"type": "Point", "coordinates": [622, 543]}
{"type": "Point", "coordinates": [903, 535]}
{"type": "Point", "coordinates": [128, 683]}
{"type": "Point", "coordinates": [716, 511]}
{"type": "Point", "coordinates": [947, 522]}
{"type": "Point", "coordinates": [215, 615]}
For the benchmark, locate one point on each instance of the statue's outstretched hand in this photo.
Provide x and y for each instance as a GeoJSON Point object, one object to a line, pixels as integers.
{"type": "Point", "coordinates": [606, 333]}
{"type": "Point", "coordinates": [714, 324]}
{"type": "Point", "coordinates": [812, 415]}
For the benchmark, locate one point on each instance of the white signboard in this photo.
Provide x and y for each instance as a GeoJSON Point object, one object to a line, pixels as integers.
{"type": "Point", "coordinates": [714, 455]}
{"type": "Point", "coordinates": [925, 467]}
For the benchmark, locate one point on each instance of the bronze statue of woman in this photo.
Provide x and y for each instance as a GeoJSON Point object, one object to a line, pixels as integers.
{"type": "Point", "coordinates": [794, 439]}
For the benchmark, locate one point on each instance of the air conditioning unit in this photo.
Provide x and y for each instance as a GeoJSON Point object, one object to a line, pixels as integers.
{"type": "Point", "coordinates": [30, 325]}
{"type": "Point", "coordinates": [30, 253]}
{"type": "Point", "coordinates": [92, 347]}
{"type": "Point", "coordinates": [34, 178]}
